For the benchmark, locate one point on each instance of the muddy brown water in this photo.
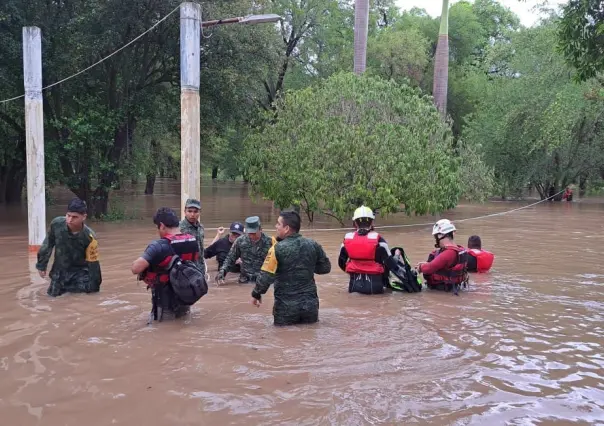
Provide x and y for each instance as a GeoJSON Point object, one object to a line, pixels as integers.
{"type": "Point", "coordinates": [523, 346]}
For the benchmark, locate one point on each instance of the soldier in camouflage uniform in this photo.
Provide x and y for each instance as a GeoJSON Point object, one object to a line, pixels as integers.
{"type": "Point", "coordinates": [291, 265]}
{"type": "Point", "coordinates": [191, 225]}
{"type": "Point", "coordinates": [252, 248]}
{"type": "Point", "coordinates": [76, 267]}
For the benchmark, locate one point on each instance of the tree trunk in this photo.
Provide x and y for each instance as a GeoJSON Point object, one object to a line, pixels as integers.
{"type": "Point", "coordinates": [11, 184]}
{"type": "Point", "coordinates": [14, 189]}
{"type": "Point", "coordinates": [99, 204]}
{"type": "Point", "coordinates": [441, 63]}
{"type": "Point", "coordinates": [361, 23]}
{"type": "Point", "coordinates": [582, 186]}
{"type": "Point", "coordinates": [150, 185]}
{"type": "Point", "coordinates": [214, 173]}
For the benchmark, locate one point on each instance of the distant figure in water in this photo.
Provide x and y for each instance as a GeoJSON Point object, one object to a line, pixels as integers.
{"type": "Point", "coordinates": [479, 260]}
{"type": "Point", "coordinates": [568, 194]}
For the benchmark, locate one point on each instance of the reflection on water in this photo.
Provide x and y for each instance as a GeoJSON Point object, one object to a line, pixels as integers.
{"type": "Point", "coordinates": [522, 347]}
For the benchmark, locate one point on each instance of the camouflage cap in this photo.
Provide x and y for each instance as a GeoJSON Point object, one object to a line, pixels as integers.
{"type": "Point", "coordinates": [192, 202]}
{"type": "Point", "coordinates": [252, 224]}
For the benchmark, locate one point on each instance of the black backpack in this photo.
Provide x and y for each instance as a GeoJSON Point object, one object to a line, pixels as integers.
{"type": "Point", "coordinates": [407, 279]}
{"type": "Point", "coordinates": [187, 280]}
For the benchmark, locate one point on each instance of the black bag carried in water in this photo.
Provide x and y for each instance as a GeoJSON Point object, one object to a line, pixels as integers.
{"type": "Point", "coordinates": [187, 280]}
{"type": "Point", "coordinates": [407, 278]}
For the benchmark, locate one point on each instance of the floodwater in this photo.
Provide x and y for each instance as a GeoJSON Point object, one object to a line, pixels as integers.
{"type": "Point", "coordinates": [522, 347]}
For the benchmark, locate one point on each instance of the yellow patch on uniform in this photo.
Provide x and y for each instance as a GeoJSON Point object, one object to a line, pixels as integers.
{"type": "Point", "coordinates": [92, 251]}
{"type": "Point", "coordinates": [270, 262]}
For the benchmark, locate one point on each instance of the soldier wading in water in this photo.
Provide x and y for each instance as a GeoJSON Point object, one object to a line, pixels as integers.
{"type": "Point", "coordinates": [290, 265]}
{"type": "Point", "coordinates": [76, 267]}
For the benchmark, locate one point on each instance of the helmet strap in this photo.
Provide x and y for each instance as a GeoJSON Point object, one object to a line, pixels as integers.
{"type": "Point", "coordinates": [438, 240]}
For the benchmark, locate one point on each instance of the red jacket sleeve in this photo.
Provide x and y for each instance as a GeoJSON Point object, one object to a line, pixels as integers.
{"type": "Point", "coordinates": [442, 261]}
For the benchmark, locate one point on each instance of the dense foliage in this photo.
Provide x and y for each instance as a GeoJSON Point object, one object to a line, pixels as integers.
{"type": "Point", "coordinates": [524, 105]}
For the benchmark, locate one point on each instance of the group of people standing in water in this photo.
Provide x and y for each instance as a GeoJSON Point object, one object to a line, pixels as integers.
{"type": "Point", "coordinates": [174, 270]}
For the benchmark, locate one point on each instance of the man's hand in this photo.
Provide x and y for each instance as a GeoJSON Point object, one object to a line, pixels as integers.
{"type": "Point", "coordinates": [220, 231]}
{"type": "Point", "coordinates": [255, 302]}
{"type": "Point", "coordinates": [419, 266]}
{"type": "Point", "coordinates": [220, 278]}
{"type": "Point", "coordinates": [42, 274]}
{"type": "Point", "coordinates": [238, 261]}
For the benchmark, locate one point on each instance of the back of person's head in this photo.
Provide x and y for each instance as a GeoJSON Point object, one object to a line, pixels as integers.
{"type": "Point", "coordinates": [364, 223]}
{"type": "Point", "coordinates": [77, 205]}
{"type": "Point", "coordinates": [292, 219]}
{"type": "Point", "coordinates": [474, 242]}
{"type": "Point", "coordinates": [167, 216]}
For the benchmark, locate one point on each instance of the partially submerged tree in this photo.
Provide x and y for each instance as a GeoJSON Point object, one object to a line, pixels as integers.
{"type": "Point", "coordinates": [352, 140]}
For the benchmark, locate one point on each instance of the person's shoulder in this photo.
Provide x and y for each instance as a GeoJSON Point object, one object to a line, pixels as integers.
{"type": "Point", "coordinates": [59, 220]}
{"type": "Point", "coordinates": [89, 232]}
{"type": "Point", "coordinates": [158, 243]}
{"type": "Point", "coordinates": [310, 243]}
{"type": "Point", "coordinates": [184, 223]}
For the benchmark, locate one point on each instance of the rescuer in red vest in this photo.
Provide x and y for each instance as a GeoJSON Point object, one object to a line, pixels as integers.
{"type": "Point", "coordinates": [153, 265]}
{"type": "Point", "coordinates": [479, 260]}
{"type": "Point", "coordinates": [446, 268]}
{"type": "Point", "coordinates": [365, 255]}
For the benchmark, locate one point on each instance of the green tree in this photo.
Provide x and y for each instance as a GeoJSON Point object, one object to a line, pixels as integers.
{"type": "Point", "coordinates": [535, 126]}
{"type": "Point", "coordinates": [349, 140]}
{"type": "Point", "coordinates": [581, 37]}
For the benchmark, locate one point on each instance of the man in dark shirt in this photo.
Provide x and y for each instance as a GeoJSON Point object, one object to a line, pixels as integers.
{"type": "Point", "coordinates": [153, 265]}
{"type": "Point", "coordinates": [220, 246]}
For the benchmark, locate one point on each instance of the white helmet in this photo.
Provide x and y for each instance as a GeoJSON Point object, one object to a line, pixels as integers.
{"type": "Point", "coordinates": [363, 212]}
{"type": "Point", "coordinates": [443, 226]}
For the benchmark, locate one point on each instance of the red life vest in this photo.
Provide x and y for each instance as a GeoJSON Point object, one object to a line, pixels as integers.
{"type": "Point", "coordinates": [455, 274]}
{"type": "Point", "coordinates": [183, 245]}
{"type": "Point", "coordinates": [484, 259]}
{"type": "Point", "coordinates": [361, 252]}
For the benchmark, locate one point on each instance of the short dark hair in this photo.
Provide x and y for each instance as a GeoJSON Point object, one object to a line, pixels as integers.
{"type": "Point", "coordinates": [364, 223]}
{"type": "Point", "coordinates": [291, 219]}
{"type": "Point", "coordinates": [474, 242]}
{"type": "Point", "coordinates": [77, 206]}
{"type": "Point", "coordinates": [167, 216]}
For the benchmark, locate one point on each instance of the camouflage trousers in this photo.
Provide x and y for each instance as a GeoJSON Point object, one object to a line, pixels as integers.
{"type": "Point", "coordinates": [74, 281]}
{"type": "Point", "coordinates": [302, 310]}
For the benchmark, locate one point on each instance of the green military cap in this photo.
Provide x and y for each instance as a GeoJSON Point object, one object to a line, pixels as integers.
{"type": "Point", "coordinates": [252, 224]}
{"type": "Point", "coordinates": [192, 202]}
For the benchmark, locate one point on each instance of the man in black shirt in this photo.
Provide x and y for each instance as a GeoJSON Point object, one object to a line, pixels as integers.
{"type": "Point", "coordinates": [220, 246]}
{"type": "Point", "coordinates": [153, 265]}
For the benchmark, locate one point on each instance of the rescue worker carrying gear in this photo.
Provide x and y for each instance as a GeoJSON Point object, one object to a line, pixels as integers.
{"type": "Point", "coordinates": [365, 256]}
{"type": "Point", "coordinates": [446, 268]}
{"type": "Point", "coordinates": [479, 260]}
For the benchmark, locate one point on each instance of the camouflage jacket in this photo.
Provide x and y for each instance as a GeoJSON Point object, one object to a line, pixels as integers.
{"type": "Point", "coordinates": [197, 231]}
{"type": "Point", "coordinates": [252, 254]}
{"type": "Point", "coordinates": [291, 265]}
{"type": "Point", "coordinates": [72, 251]}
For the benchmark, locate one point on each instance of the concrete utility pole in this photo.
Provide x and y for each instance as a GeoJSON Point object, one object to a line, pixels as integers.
{"type": "Point", "coordinates": [34, 137]}
{"type": "Point", "coordinates": [190, 45]}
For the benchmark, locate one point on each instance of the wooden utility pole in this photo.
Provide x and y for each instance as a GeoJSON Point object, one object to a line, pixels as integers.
{"type": "Point", "coordinates": [190, 45]}
{"type": "Point", "coordinates": [361, 25]}
{"type": "Point", "coordinates": [34, 136]}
